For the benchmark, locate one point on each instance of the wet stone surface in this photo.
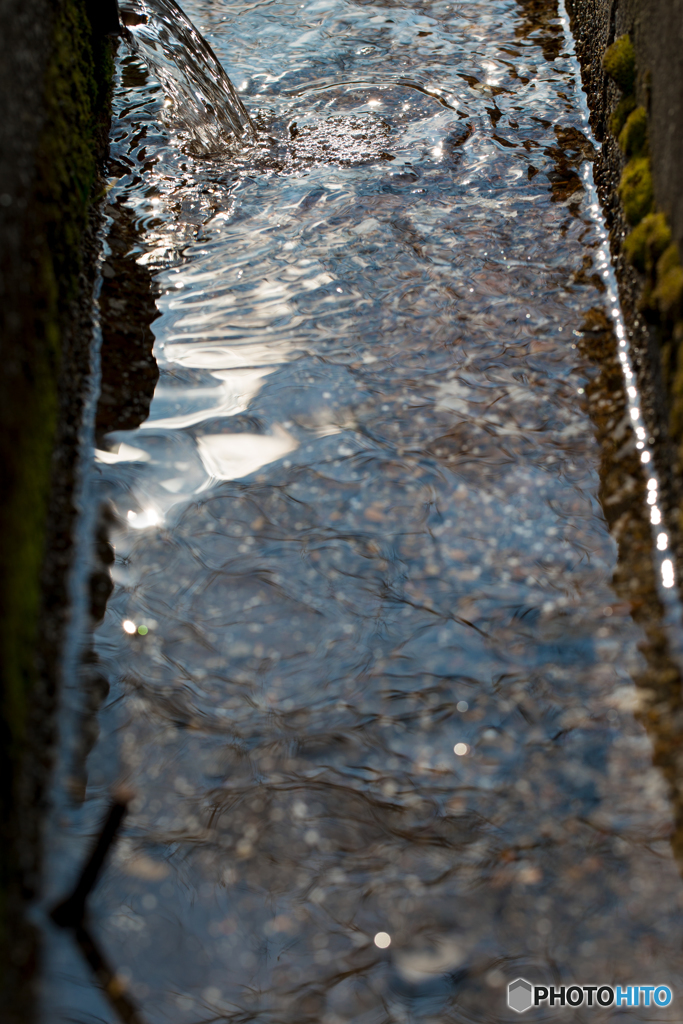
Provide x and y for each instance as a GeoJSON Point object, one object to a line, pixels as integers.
{"type": "Point", "coordinates": [376, 663]}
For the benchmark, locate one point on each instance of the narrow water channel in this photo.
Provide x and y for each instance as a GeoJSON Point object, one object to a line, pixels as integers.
{"type": "Point", "coordinates": [386, 652]}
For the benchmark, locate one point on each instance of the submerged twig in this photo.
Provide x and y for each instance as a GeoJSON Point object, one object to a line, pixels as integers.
{"type": "Point", "coordinates": [72, 912]}
{"type": "Point", "coordinates": [111, 983]}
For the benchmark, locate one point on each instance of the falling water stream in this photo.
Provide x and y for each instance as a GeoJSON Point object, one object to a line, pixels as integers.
{"type": "Point", "coordinates": [200, 98]}
{"type": "Point", "coordinates": [390, 662]}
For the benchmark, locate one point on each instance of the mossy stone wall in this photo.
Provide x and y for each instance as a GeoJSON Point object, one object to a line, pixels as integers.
{"type": "Point", "coordinates": [631, 54]}
{"type": "Point", "coordinates": [55, 74]}
{"type": "Point", "coordinates": [656, 30]}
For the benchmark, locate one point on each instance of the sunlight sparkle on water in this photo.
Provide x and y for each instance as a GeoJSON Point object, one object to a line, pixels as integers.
{"type": "Point", "coordinates": [141, 520]}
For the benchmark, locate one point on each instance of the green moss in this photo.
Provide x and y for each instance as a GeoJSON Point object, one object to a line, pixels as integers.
{"type": "Point", "coordinates": [633, 136]}
{"type": "Point", "coordinates": [635, 190]}
{"type": "Point", "coordinates": [668, 261]}
{"type": "Point", "coordinates": [669, 293]}
{"type": "Point", "coordinates": [618, 119]}
{"type": "Point", "coordinates": [647, 242]}
{"type": "Point", "coordinates": [619, 62]}
{"type": "Point", "coordinates": [669, 290]}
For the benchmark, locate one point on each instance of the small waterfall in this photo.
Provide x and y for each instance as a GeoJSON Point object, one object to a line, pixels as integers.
{"type": "Point", "coordinates": [201, 99]}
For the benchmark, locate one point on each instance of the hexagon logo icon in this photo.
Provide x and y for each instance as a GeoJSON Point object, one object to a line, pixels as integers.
{"type": "Point", "coordinates": [520, 995]}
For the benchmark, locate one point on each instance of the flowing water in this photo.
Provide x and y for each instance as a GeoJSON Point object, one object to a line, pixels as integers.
{"type": "Point", "coordinates": [200, 98]}
{"type": "Point", "coordinates": [388, 649]}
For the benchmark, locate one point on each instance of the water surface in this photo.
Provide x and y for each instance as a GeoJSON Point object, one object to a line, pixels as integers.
{"type": "Point", "coordinates": [385, 668]}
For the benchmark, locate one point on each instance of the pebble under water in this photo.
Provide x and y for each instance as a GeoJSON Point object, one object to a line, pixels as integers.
{"type": "Point", "coordinates": [386, 662]}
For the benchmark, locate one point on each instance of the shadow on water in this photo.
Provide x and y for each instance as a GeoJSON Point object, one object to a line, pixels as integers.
{"type": "Point", "coordinates": [128, 369]}
{"type": "Point", "coordinates": [128, 377]}
{"type": "Point", "coordinates": [371, 649]}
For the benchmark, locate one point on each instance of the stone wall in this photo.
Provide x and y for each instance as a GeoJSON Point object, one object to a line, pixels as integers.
{"type": "Point", "coordinates": [55, 74]}
{"type": "Point", "coordinates": [654, 314]}
{"type": "Point", "coordinates": [656, 28]}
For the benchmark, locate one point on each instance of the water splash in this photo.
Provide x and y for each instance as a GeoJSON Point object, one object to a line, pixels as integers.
{"type": "Point", "coordinates": [201, 101]}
